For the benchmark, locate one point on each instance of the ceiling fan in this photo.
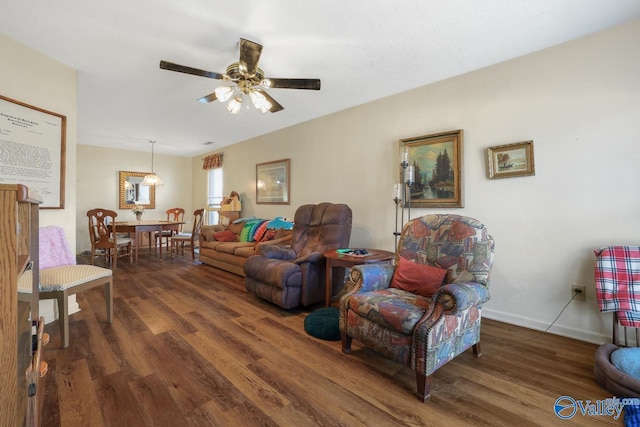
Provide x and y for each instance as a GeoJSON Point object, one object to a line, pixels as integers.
{"type": "Point", "coordinates": [249, 80]}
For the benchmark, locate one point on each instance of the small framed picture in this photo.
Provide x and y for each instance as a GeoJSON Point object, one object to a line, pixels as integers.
{"type": "Point", "coordinates": [273, 182]}
{"type": "Point", "coordinates": [507, 161]}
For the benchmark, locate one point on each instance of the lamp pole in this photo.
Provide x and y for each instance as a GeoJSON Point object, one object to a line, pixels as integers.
{"type": "Point", "coordinates": [404, 163]}
{"type": "Point", "coordinates": [397, 198]}
{"type": "Point", "coordinates": [410, 179]}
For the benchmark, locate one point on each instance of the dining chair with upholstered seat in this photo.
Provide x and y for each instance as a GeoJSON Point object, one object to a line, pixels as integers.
{"type": "Point", "coordinates": [175, 215]}
{"type": "Point", "coordinates": [103, 235]}
{"type": "Point", "coordinates": [180, 240]}
{"type": "Point", "coordinates": [61, 277]}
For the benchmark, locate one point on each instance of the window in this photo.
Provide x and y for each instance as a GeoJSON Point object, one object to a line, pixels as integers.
{"type": "Point", "coordinates": [214, 195]}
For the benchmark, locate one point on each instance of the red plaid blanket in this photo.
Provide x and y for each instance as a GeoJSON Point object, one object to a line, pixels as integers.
{"type": "Point", "coordinates": [617, 275]}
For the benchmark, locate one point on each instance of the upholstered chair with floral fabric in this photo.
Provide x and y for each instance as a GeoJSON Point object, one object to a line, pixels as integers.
{"type": "Point", "coordinates": [425, 309]}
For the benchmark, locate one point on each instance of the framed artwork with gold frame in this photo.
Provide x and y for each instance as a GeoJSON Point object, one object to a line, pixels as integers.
{"type": "Point", "coordinates": [510, 160]}
{"type": "Point", "coordinates": [133, 193]}
{"type": "Point", "coordinates": [436, 160]}
{"type": "Point", "coordinates": [273, 182]}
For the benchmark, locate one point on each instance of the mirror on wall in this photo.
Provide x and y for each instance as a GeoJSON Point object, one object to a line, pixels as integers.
{"type": "Point", "coordinates": [132, 192]}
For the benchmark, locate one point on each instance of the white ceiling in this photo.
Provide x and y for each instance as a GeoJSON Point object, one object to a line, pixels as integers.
{"type": "Point", "coordinates": [361, 50]}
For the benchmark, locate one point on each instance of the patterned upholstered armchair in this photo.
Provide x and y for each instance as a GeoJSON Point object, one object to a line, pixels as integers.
{"type": "Point", "coordinates": [418, 331]}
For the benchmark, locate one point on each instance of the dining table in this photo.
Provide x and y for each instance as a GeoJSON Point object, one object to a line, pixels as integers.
{"type": "Point", "coordinates": [146, 226]}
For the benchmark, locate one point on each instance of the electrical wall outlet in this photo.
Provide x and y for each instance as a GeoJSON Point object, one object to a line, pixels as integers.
{"type": "Point", "coordinates": [578, 291]}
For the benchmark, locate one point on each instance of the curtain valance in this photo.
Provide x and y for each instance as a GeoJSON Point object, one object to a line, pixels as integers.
{"type": "Point", "coordinates": [213, 161]}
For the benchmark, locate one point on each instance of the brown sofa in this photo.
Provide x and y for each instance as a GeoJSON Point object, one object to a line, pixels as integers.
{"type": "Point", "coordinates": [231, 256]}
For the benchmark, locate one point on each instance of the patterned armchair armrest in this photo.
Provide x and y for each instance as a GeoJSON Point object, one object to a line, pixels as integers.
{"type": "Point", "coordinates": [457, 297]}
{"type": "Point", "coordinates": [369, 277]}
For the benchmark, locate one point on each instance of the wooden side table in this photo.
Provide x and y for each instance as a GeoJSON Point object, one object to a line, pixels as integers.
{"type": "Point", "coordinates": [335, 259]}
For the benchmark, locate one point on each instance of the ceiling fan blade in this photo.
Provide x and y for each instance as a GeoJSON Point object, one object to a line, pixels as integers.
{"type": "Point", "coordinates": [249, 56]}
{"type": "Point", "coordinates": [275, 105]}
{"type": "Point", "coordinates": [165, 65]}
{"type": "Point", "coordinates": [209, 98]}
{"type": "Point", "coordinates": [312, 84]}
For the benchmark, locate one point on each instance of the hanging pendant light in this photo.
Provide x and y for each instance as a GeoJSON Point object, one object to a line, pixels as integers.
{"type": "Point", "coordinates": [152, 178]}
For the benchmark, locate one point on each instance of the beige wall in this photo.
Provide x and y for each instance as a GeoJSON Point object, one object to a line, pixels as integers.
{"type": "Point", "coordinates": [35, 79]}
{"type": "Point", "coordinates": [579, 103]}
{"type": "Point", "coordinates": [98, 173]}
{"type": "Point", "coordinates": [200, 183]}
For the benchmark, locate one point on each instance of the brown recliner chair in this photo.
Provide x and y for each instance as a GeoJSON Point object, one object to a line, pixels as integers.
{"type": "Point", "coordinates": [294, 275]}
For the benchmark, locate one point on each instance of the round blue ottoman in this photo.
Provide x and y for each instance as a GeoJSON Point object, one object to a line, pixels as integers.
{"type": "Point", "coordinates": [323, 324]}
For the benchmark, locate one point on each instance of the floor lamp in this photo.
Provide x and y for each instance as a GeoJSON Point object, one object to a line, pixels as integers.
{"type": "Point", "coordinates": [400, 191]}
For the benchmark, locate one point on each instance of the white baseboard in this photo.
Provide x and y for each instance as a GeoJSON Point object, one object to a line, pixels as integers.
{"type": "Point", "coordinates": [578, 334]}
{"type": "Point", "coordinates": [49, 309]}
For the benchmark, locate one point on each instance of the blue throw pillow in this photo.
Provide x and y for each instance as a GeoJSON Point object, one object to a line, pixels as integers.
{"type": "Point", "coordinates": [627, 360]}
{"type": "Point", "coordinates": [280, 222]}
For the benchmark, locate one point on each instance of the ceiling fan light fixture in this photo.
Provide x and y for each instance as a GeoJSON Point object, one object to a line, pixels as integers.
{"type": "Point", "coordinates": [259, 101]}
{"type": "Point", "coordinates": [266, 83]}
{"type": "Point", "coordinates": [234, 105]}
{"type": "Point", "coordinates": [152, 178]}
{"type": "Point", "coordinates": [223, 93]}
{"type": "Point", "coordinates": [244, 77]}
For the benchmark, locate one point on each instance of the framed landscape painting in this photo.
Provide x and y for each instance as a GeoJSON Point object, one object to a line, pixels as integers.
{"type": "Point", "coordinates": [506, 161]}
{"type": "Point", "coordinates": [436, 161]}
{"type": "Point", "coordinates": [273, 182]}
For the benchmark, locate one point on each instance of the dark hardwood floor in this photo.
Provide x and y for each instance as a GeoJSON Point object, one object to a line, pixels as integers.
{"type": "Point", "coordinates": [189, 347]}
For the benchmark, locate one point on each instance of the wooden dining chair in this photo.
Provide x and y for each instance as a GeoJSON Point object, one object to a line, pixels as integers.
{"type": "Point", "coordinates": [173, 214]}
{"type": "Point", "coordinates": [103, 236]}
{"type": "Point", "coordinates": [180, 240]}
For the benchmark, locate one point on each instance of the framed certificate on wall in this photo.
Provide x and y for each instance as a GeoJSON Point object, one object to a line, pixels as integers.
{"type": "Point", "coordinates": [32, 150]}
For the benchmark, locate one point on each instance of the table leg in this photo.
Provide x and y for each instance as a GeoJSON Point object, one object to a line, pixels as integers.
{"type": "Point", "coordinates": [137, 238]}
{"type": "Point", "coordinates": [329, 283]}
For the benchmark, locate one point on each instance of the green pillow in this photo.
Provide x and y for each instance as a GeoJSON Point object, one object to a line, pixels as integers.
{"type": "Point", "coordinates": [323, 324]}
{"type": "Point", "coordinates": [246, 233]}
